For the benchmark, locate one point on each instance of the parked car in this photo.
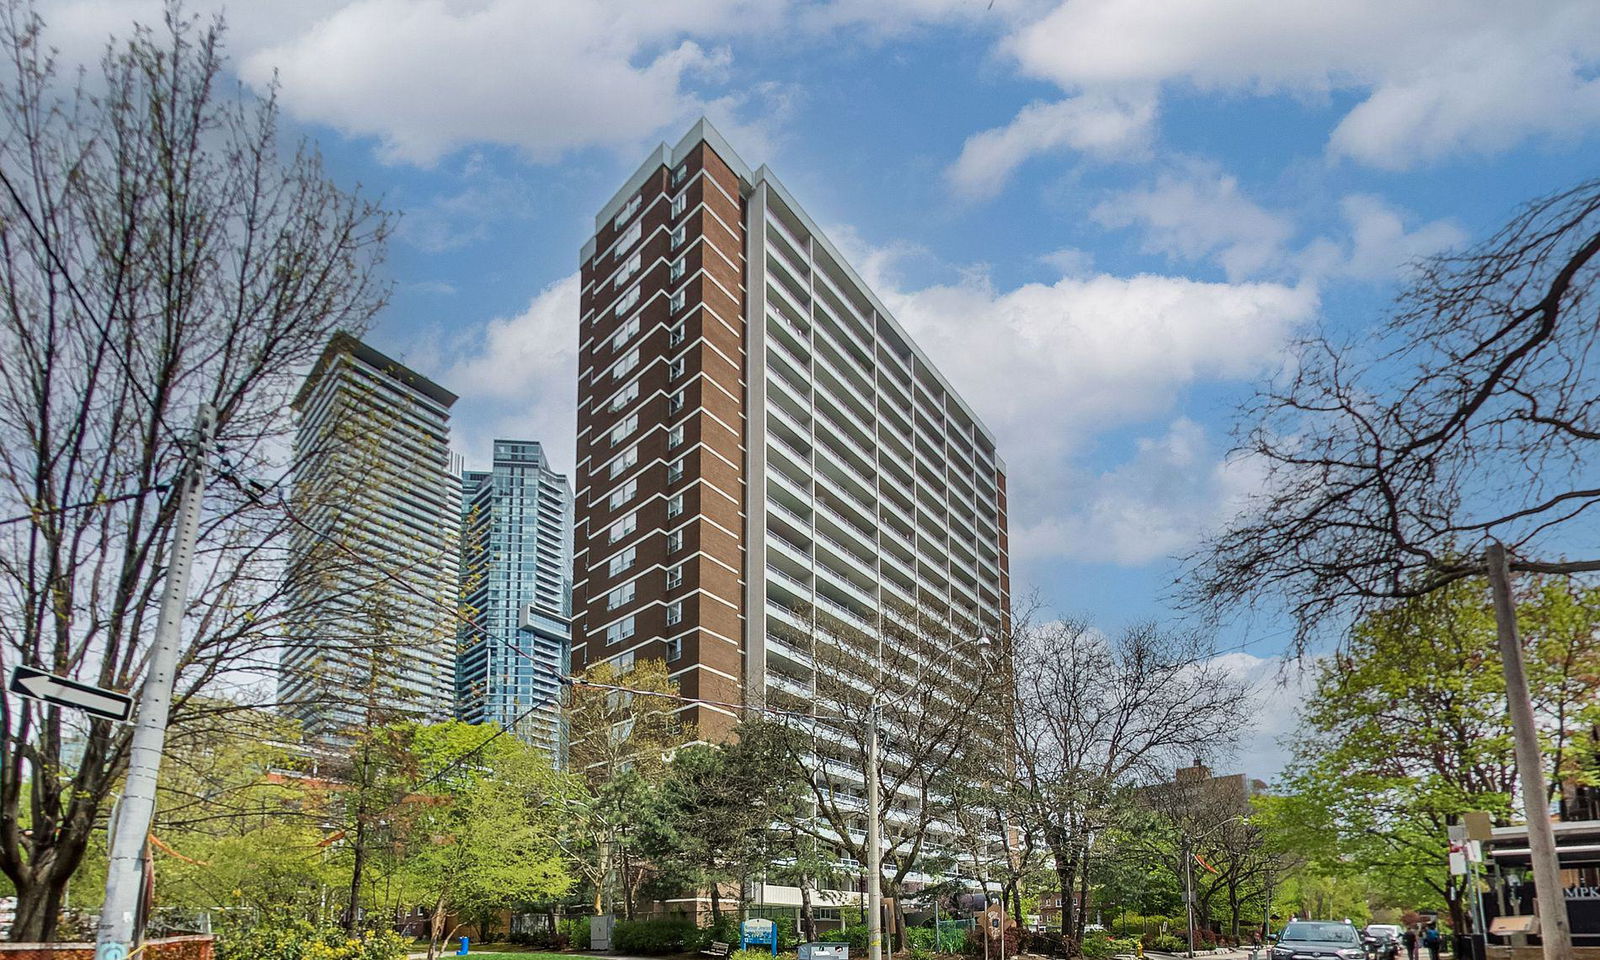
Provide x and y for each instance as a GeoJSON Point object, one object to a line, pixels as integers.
{"type": "Point", "coordinates": [1318, 940]}
{"type": "Point", "coordinates": [1382, 941]}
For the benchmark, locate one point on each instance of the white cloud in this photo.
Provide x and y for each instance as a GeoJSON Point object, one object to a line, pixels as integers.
{"type": "Point", "coordinates": [1201, 214]}
{"type": "Point", "coordinates": [1270, 713]}
{"type": "Point", "coordinates": [518, 380]}
{"type": "Point", "coordinates": [1051, 367]}
{"type": "Point", "coordinates": [1198, 213]}
{"type": "Point", "coordinates": [428, 76]}
{"type": "Point", "coordinates": [1436, 79]}
{"type": "Point", "coordinates": [1155, 505]}
{"type": "Point", "coordinates": [1107, 124]}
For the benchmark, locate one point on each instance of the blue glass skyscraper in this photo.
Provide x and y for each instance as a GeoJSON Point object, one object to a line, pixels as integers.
{"type": "Point", "coordinates": [516, 587]}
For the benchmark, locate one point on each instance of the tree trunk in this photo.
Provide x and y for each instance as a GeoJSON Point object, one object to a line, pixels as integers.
{"type": "Point", "coordinates": [352, 922]}
{"type": "Point", "coordinates": [436, 928]}
{"type": "Point", "coordinates": [38, 909]}
{"type": "Point", "coordinates": [808, 916]}
{"type": "Point", "coordinates": [716, 901]}
{"type": "Point", "coordinates": [1067, 881]}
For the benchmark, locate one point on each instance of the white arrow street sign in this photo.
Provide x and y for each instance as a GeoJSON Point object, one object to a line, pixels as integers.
{"type": "Point", "coordinates": [70, 693]}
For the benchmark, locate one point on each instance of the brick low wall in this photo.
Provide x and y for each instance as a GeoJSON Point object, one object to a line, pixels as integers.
{"type": "Point", "coordinates": [168, 948]}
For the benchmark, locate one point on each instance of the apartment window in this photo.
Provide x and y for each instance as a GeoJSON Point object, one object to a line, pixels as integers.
{"type": "Point", "coordinates": [625, 429]}
{"type": "Point", "coordinates": [675, 403]}
{"type": "Point", "coordinates": [674, 505]}
{"type": "Point", "coordinates": [680, 203]}
{"type": "Point", "coordinates": [621, 562]}
{"type": "Point", "coordinates": [674, 649]}
{"type": "Point", "coordinates": [629, 394]}
{"type": "Point", "coordinates": [679, 234]}
{"type": "Point", "coordinates": [674, 578]}
{"type": "Point", "coordinates": [676, 300]}
{"type": "Point", "coordinates": [628, 332]}
{"type": "Point", "coordinates": [624, 462]}
{"type": "Point", "coordinates": [628, 269]}
{"type": "Point", "coordinates": [674, 613]}
{"type": "Point", "coordinates": [675, 471]}
{"type": "Point", "coordinates": [675, 541]}
{"type": "Point", "coordinates": [624, 527]}
{"type": "Point", "coordinates": [623, 494]}
{"type": "Point", "coordinates": [675, 368]}
{"type": "Point", "coordinates": [629, 238]}
{"type": "Point", "coordinates": [675, 436]}
{"type": "Point", "coordinates": [627, 300]}
{"type": "Point", "coordinates": [627, 211]}
{"type": "Point", "coordinates": [677, 269]}
{"type": "Point", "coordinates": [620, 596]}
{"type": "Point", "coordinates": [675, 335]}
{"type": "Point", "coordinates": [621, 630]}
{"type": "Point", "coordinates": [627, 363]}
{"type": "Point", "coordinates": [680, 173]}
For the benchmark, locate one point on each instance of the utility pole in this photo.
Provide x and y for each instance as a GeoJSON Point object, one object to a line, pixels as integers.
{"type": "Point", "coordinates": [1555, 932]}
{"type": "Point", "coordinates": [124, 878]}
{"type": "Point", "coordinates": [874, 839]}
{"type": "Point", "coordinates": [1188, 891]}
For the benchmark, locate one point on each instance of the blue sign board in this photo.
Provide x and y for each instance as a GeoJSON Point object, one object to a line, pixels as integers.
{"type": "Point", "coordinates": [758, 932]}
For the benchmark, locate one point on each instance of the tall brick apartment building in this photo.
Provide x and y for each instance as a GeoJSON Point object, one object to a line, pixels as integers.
{"type": "Point", "coordinates": [758, 437]}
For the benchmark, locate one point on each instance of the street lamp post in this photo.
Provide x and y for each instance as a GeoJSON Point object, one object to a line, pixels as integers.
{"type": "Point", "coordinates": [874, 839]}
{"type": "Point", "coordinates": [1188, 872]}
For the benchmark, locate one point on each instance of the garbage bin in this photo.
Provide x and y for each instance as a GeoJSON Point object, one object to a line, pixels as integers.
{"type": "Point", "coordinates": [824, 951]}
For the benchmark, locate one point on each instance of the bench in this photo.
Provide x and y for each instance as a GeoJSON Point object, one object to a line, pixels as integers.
{"type": "Point", "coordinates": [717, 949]}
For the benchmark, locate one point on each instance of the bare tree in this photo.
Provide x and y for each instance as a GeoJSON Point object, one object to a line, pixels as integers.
{"type": "Point", "coordinates": [934, 677]}
{"type": "Point", "coordinates": [1461, 443]}
{"type": "Point", "coordinates": [1096, 715]}
{"type": "Point", "coordinates": [157, 250]}
{"type": "Point", "coordinates": [1474, 418]}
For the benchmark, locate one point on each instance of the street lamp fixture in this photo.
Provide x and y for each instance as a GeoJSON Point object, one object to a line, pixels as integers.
{"type": "Point", "coordinates": [1188, 871]}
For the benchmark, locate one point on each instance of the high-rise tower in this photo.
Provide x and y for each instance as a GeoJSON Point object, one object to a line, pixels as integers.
{"type": "Point", "coordinates": [760, 445]}
{"type": "Point", "coordinates": [373, 571]}
{"type": "Point", "coordinates": [516, 586]}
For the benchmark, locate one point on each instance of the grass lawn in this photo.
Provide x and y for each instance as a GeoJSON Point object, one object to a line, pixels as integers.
{"type": "Point", "coordinates": [510, 953]}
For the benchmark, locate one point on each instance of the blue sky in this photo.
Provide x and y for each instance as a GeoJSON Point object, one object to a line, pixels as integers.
{"type": "Point", "coordinates": [1103, 218]}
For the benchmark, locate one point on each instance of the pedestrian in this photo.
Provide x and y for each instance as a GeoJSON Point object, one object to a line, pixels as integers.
{"type": "Point", "coordinates": [1410, 939]}
{"type": "Point", "coordinates": [1430, 940]}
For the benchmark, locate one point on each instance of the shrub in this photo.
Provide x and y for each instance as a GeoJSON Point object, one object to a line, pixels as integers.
{"type": "Point", "coordinates": [725, 930]}
{"type": "Point", "coordinates": [761, 953]}
{"type": "Point", "coordinates": [654, 938]}
{"type": "Point", "coordinates": [298, 940]}
{"type": "Point", "coordinates": [1164, 942]}
{"type": "Point", "coordinates": [1099, 945]}
{"type": "Point", "coordinates": [572, 932]}
{"type": "Point", "coordinates": [855, 934]}
{"type": "Point", "coordinates": [975, 945]}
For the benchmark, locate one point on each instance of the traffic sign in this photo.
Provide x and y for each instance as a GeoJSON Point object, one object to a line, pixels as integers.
{"type": "Point", "coordinates": [39, 685]}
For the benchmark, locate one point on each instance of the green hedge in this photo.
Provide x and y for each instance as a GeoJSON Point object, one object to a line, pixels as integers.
{"type": "Point", "coordinates": [298, 940]}
{"type": "Point", "coordinates": [1101, 946]}
{"type": "Point", "coordinates": [654, 938]}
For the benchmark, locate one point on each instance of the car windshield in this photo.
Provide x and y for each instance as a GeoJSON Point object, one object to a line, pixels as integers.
{"type": "Point", "coordinates": [1324, 932]}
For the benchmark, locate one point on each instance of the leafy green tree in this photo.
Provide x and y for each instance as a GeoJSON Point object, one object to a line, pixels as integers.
{"type": "Point", "coordinates": [1407, 729]}
{"type": "Point", "coordinates": [1403, 732]}
{"type": "Point", "coordinates": [486, 839]}
{"type": "Point", "coordinates": [720, 809]}
{"type": "Point", "coordinates": [620, 742]}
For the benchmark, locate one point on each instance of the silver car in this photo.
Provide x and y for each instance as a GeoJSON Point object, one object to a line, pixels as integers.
{"type": "Point", "coordinates": [1319, 940]}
